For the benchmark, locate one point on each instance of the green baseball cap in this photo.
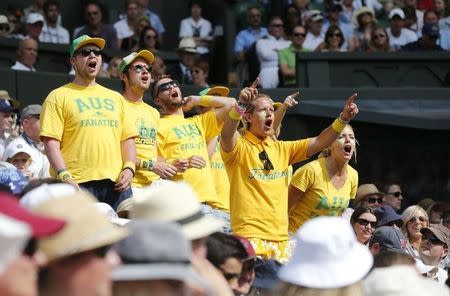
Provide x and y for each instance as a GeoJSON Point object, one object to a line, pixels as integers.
{"type": "Point", "coordinates": [145, 54]}
{"type": "Point", "coordinates": [83, 40]}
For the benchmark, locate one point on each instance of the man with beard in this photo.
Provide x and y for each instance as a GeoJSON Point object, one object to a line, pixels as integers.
{"type": "Point", "coordinates": [53, 32]}
{"type": "Point", "coordinates": [257, 167]}
{"type": "Point", "coordinates": [182, 141]}
{"type": "Point", "coordinates": [136, 75]}
{"type": "Point", "coordinates": [87, 136]}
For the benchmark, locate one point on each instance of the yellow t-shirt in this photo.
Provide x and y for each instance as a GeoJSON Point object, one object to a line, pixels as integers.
{"type": "Point", "coordinates": [321, 197]}
{"type": "Point", "coordinates": [258, 197]}
{"type": "Point", "coordinates": [145, 119]}
{"type": "Point", "coordinates": [221, 182]}
{"type": "Point", "coordinates": [90, 124]}
{"type": "Point", "coordinates": [180, 137]}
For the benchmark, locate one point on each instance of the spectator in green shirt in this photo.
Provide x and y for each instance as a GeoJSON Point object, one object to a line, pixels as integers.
{"type": "Point", "coordinates": [286, 56]}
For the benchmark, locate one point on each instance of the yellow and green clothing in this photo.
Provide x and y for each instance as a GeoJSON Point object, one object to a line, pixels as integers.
{"type": "Point", "coordinates": [221, 182]}
{"type": "Point", "coordinates": [90, 123]}
{"type": "Point", "coordinates": [259, 197]}
{"type": "Point", "coordinates": [321, 197]}
{"type": "Point", "coordinates": [180, 137]}
{"type": "Point", "coordinates": [145, 119]}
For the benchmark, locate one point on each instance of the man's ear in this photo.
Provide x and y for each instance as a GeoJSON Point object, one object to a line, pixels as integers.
{"type": "Point", "coordinates": [445, 252]}
{"type": "Point", "coordinates": [248, 117]}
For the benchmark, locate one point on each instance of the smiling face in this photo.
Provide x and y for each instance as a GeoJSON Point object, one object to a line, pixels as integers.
{"type": "Point", "coordinates": [261, 118]}
{"type": "Point", "coordinates": [87, 67]}
{"type": "Point", "coordinates": [364, 227]}
{"type": "Point", "coordinates": [167, 95]}
{"type": "Point", "coordinates": [413, 226]}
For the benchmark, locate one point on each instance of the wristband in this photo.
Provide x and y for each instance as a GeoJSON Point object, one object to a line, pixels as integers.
{"type": "Point", "coordinates": [147, 164]}
{"type": "Point", "coordinates": [205, 101]}
{"type": "Point", "coordinates": [234, 114]}
{"type": "Point", "coordinates": [64, 175]}
{"type": "Point", "coordinates": [339, 125]}
{"type": "Point", "coordinates": [129, 165]}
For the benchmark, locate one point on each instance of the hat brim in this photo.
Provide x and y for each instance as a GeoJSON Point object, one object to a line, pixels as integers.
{"type": "Point", "coordinates": [220, 91]}
{"type": "Point", "coordinates": [188, 49]}
{"type": "Point", "coordinates": [100, 42]}
{"type": "Point", "coordinates": [348, 269]}
{"type": "Point", "coordinates": [202, 227]}
{"type": "Point", "coordinates": [139, 272]}
{"type": "Point", "coordinates": [277, 105]}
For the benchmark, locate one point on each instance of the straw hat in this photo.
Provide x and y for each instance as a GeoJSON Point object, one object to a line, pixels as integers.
{"type": "Point", "coordinates": [86, 227]}
{"type": "Point", "coordinates": [365, 190]}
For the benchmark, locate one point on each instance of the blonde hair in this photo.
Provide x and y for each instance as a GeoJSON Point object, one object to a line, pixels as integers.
{"type": "Point", "coordinates": [327, 151]}
{"type": "Point", "coordinates": [410, 212]}
{"type": "Point", "coordinates": [250, 109]}
{"type": "Point", "coordinates": [287, 289]}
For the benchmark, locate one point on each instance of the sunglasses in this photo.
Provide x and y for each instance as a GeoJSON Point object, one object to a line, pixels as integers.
{"type": "Point", "coordinates": [396, 194]}
{"type": "Point", "coordinates": [165, 86]}
{"type": "Point", "coordinates": [267, 163]}
{"type": "Point", "coordinates": [30, 248]}
{"type": "Point", "coordinates": [373, 200]}
{"type": "Point", "coordinates": [150, 37]}
{"type": "Point", "coordinates": [421, 219]}
{"type": "Point", "coordinates": [276, 25]}
{"type": "Point", "coordinates": [141, 68]}
{"type": "Point", "coordinates": [300, 35]}
{"type": "Point", "coordinates": [92, 13]}
{"type": "Point", "coordinates": [196, 71]}
{"type": "Point", "coordinates": [335, 35]}
{"type": "Point", "coordinates": [4, 27]}
{"type": "Point", "coordinates": [365, 222]}
{"type": "Point", "coordinates": [433, 240]}
{"type": "Point", "coordinates": [85, 52]}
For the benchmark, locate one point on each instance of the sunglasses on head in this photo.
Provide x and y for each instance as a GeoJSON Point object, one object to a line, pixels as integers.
{"type": "Point", "coordinates": [268, 165]}
{"type": "Point", "coordinates": [85, 52]}
{"type": "Point", "coordinates": [372, 200]}
{"type": "Point", "coordinates": [396, 194]}
{"type": "Point", "coordinates": [141, 68]}
{"type": "Point", "coordinates": [166, 85]}
{"type": "Point", "coordinates": [420, 218]}
{"type": "Point", "coordinates": [364, 222]}
{"type": "Point", "coordinates": [433, 239]}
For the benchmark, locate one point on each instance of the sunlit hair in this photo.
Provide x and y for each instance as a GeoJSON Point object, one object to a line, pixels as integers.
{"type": "Point", "coordinates": [327, 151]}
{"type": "Point", "coordinates": [288, 289]}
{"type": "Point", "coordinates": [412, 211]}
{"type": "Point", "coordinates": [249, 110]}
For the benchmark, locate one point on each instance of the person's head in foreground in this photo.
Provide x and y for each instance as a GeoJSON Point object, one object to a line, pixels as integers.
{"type": "Point", "coordinates": [328, 260]}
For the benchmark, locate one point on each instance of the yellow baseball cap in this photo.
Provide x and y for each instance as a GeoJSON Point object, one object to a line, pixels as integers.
{"type": "Point", "coordinates": [220, 91]}
{"type": "Point", "coordinates": [83, 40]}
{"type": "Point", "coordinates": [145, 54]}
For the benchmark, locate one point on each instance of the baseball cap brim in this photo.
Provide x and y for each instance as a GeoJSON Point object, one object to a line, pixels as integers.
{"type": "Point", "coordinates": [85, 41]}
{"type": "Point", "coordinates": [41, 226]}
{"type": "Point", "coordinates": [144, 54]}
{"type": "Point", "coordinates": [220, 91]}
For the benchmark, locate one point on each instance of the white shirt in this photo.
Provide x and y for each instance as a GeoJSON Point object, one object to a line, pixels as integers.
{"type": "Point", "coordinates": [311, 42]}
{"type": "Point", "coordinates": [123, 29]}
{"type": "Point", "coordinates": [190, 28]}
{"type": "Point", "coordinates": [267, 49]}
{"type": "Point", "coordinates": [56, 34]}
{"type": "Point", "coordinates": [18, 66]}
{"type": "Point", "coordinates": [406, 36]}
{"type": "Point", "coordinates": [40, 165]}
{"type": "Point", "coordinates": [372, 4]}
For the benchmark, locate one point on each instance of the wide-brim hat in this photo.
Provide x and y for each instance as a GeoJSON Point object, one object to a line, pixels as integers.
{"type": "Point", "coordinates": [220, 91]}
{"type": "Point", "coordinates": [86, 227]}
{"type": "Point", "coordinates": [327, 255]}
{"type": "Point", "coordinates": [84, 40]}
{"type": "Point", "coordinates": [144, 54]}
{"type": "Point", "coordinates": [188, 45]}
{"type": "Point", "coordinates": [365, 190]}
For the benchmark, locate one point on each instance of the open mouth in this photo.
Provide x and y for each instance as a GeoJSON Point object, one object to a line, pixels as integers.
{"type": "Point", "coordinates": [145, 79]}
{"type": "Point", "coordinates": [268, 123]}
{"type": "Point", "coordinates": [92, 65]}
{"type": "Point", "coordinates": [347, 148]}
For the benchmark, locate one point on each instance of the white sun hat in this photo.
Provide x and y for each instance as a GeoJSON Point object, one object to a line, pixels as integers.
{"type": "Point", "coordinates": [174, 202]}
{"type": "Point", "coordinates": [327, 255]}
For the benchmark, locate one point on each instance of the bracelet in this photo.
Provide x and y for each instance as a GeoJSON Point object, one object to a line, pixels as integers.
{"type": "Point", "coordinates": [64, 175]}
{"type": "Point", "coordinates": [234, 114]}
{"type": "Point", "coordinates": [129, 165]}
{"type": "Point", "coordinates": [205, 101]}
{"type": "Point", "coordinates": [147, 164]}
{"type": "Point", "coordinates": [338, 125]}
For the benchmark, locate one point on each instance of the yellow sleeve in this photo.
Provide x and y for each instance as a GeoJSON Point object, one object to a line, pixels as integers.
{"type": "Point", "coordinates": [210, 125]}
{"type": "Point", "coordinates": [52, 118]}
{"type": "Point", "coordinates": [296, 149]}
{"type": "Point", "coordinates": [128, 128]}
{"type": "Point", "coordinates": [231, 158]}
{"type": "Point", "coordinates": [303, 178]}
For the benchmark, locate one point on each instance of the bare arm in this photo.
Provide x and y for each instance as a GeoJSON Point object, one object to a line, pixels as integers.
{"type": "Point", "coordinates": [281, 111]}
{"type": "Point", "coordinates": [128, 149]}
{"type": "Point", "coordinates": [211, 147]}
{"type": "Point", "coordinates": [329, 135]}
{"type": "Point", "coordinates": [221, 105]}
{"type": "Point", "coordinates": [294, 195]}
{"type": "Point", "coordinates": [286, 71]}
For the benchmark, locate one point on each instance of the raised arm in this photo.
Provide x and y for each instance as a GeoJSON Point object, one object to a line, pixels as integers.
{"type": "Point", "coordinates": [281, 111]}
{"type": "Point", "coordinates": [221, 105]}
{"type": "Point", "coordinates": [230, 135]}
{"type": "Point", "coordinates": [330, 134]}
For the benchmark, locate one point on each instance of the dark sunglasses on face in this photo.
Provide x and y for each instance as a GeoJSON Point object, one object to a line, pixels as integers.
{"type": "Point", "coordinates": [276, 25]}
{"type": "Point", "coordinates": [4, 27]}
{"type": "Point", "coordinates": [30, 248]}
{"type": "Point", "coordinates": [267, 163]}
{"type": "Point", "coordinates": [85, 52]}
{"type": "Point", "coordinates": [196, 71]}
{"type": "Point", "coordinates": [335, 35]}
{"type": "Point", "coordinates": [396, 194]}
{"type": "Point", "coordinates": [433, 239]}
{"type": "Point", "coordinates": [150, 37]}
{"type": "Point", "coordinates": [414, 219]}
{"type": "Point", "coordinates": [92, 13]}
{"type": "Point", "coordinates": [165, 86]}
{"type": "Point", "coordinates": [141, 68]}
{"type": "Point", "coordinates": [299, 34]}
{"type": "Point", "coordinates": [372, 200]}
{"type": "Point", "coordinates": [365, 222]}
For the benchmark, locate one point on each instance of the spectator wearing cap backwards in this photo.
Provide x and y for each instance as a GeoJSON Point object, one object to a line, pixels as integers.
{"type": "Point", "coordinates": [430, 35]}
{"type": "Point", "coordinates": [30, 120]}
{"type": "Point", "coordinates": [398, 35]}
{"type": "Point", "coordinates": [7, 108]}
{"type": "Point", "coordinates": [27, 53]}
